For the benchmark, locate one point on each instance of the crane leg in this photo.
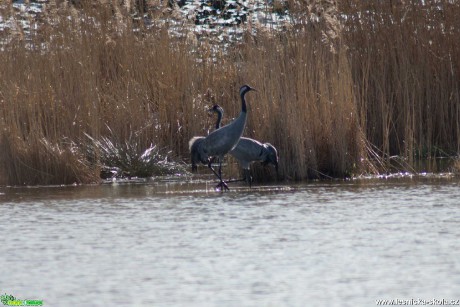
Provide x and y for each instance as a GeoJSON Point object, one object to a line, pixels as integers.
{"type": "Point", "coordinates": [247, 177]}
{"type": "Point", "coordinates": [221, 184]}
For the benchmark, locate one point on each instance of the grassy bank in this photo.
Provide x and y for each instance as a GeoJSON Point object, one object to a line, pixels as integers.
{"type": "Point", "coordinates": [330, 93]}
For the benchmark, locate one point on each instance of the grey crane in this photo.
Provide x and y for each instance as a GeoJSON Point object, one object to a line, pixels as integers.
{"type": "Point", "coordinates": [249, 150]}
{"type": "Point", "coordinates": [219, 142]}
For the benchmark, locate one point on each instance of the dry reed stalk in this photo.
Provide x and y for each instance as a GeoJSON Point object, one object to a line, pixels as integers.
{"type": "Point", "coordinates": [90, 75]}
{"type": "Point", "coordinates": [324, 103]}
{"type": "Point", "coordinates": [306, 105]}
{"type": "Point", "coordinates": [114, 83]}
{"type": "Point", "coordinates": [406, 62]}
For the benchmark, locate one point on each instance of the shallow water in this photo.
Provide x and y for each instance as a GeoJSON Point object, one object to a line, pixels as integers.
{"type": "Point", "coordinates": [180, 244]}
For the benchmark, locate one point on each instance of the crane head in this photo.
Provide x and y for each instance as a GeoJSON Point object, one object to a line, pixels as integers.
{"type": "Point", "coordinates": [246, 88]}
{"type": "Point", "coordinates": [216, 109]}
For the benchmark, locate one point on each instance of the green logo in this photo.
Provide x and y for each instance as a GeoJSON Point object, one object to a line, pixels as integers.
{"type": "Point", "coordinates": [9, 300]}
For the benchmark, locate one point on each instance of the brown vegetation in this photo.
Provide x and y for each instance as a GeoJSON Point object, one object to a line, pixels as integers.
{"type": "Point", "coordinates": [405, 59]}
{"type": "Point", "coordinates": [386, 75]}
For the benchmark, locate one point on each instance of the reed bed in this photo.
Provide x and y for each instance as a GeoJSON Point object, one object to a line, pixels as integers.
{"type": "Point", "coordinates": [405, 59]}
{"type": "Point", "coordinates": [334, 96]}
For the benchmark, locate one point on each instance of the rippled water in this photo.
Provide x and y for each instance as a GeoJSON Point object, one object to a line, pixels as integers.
{"type": "Point", "coordinates": [171, 244]}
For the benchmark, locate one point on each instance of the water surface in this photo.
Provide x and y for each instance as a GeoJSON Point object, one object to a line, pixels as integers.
{"type": "Point", "coordinates": [182, 244]}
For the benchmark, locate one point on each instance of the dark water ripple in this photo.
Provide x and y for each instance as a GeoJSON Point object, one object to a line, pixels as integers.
{"type": "Point", "coordinates": [339, 244]}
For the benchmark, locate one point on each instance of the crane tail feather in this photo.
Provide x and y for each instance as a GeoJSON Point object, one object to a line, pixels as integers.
{"type": "Point", "coordinates": [193, 140]}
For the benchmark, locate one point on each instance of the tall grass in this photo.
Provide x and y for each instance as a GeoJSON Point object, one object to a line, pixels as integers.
{"type": "Point", "coordinates": [306, 105]}
{"type": "Point", "coordinates": [405, 59]}
{"type": "Point", "coordinates": [326, 90]}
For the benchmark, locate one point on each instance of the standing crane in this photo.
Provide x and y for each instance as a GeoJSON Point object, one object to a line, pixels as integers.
{"type": "Point", "coordinates": [249, 150]}
{"type": "Point", "coordinates": [219, 142]}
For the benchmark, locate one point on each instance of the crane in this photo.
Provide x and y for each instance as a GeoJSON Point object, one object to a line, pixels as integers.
{"type": "Point", "coordinates": [249, 150]}
{"type": "Point", "coordinates": [219, 142]}
{"type": "Point", "coordinates": [246, 151]}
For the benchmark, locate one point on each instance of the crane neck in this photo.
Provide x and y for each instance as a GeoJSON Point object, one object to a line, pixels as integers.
{"type": "Point", "coordinates": [219, 118]}
{"type": "Point", "coordinates": [243, 102]}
